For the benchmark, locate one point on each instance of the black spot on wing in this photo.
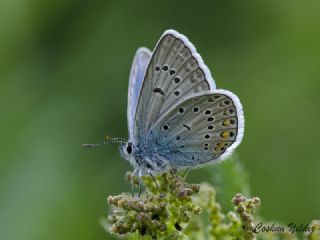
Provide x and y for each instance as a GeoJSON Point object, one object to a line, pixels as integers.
{"type": "Point", "coordinates": [187, 127]}
{"type": "Point", "coordinates": [158, 90]}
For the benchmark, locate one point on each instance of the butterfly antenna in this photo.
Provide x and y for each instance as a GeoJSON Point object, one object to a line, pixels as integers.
{"type": "Point", "coordinates": [109, 141]}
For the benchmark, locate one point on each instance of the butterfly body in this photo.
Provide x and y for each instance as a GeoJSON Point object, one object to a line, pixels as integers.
{"type": "Point", "coordinates": [149, 156]}
{"type": "Point", "coordinates": [176, 116]}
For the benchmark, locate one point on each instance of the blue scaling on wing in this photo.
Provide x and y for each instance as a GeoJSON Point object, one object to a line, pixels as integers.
{"type": "Point", "coordinates": [206, 127]}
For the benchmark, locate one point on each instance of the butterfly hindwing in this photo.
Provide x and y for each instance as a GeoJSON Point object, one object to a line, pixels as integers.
{"type": "Point", "coordinates": [175, 72]}
{"type": "Point", "coordinates": [201, 129]}
{"type": "Point", "coordinates": [137, 73]}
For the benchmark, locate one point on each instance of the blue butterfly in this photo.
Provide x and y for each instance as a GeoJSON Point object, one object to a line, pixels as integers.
{"type": "Point", "coordinates": [177, 118]}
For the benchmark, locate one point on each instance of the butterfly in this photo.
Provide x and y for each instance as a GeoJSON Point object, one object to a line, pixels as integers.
{"type": "Point", "coordinates": [177, 118]}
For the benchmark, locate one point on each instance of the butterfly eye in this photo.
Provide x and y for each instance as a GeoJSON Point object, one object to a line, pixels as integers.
{"type": "Point", "coordinates": [129, 148]}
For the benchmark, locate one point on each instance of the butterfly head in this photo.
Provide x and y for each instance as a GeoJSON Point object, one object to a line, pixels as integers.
{"type": "Point", "coordinates": [126, 150]}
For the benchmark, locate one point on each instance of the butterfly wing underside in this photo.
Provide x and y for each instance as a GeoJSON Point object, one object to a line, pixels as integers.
{"type": "Point", "coordinates": [137, 73]}
{"type": "Point", "coordinates": [200, 129]}
{"type": "Point", "coordinates": [175, 72]}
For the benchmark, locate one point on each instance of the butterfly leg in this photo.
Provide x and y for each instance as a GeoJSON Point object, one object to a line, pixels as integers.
{"type": "Point", "coordinates": [153, 178]}
{"type": "Point", "coordinates": [173, 171]}
{"type": "Point", "coordinates": [185, 174]}
{"type": "Point", "coordinates": [135, 171]}
{"type": "Point", "coordinates": [140, 181]}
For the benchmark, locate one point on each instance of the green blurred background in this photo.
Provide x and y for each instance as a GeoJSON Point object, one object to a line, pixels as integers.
{"type": "Point", "coordinates": [64, 68]}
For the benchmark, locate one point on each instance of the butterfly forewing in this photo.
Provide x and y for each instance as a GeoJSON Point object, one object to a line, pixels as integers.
{"type": "Point", "coordinates": [175, 72]}
{"type": "Point", "coordinates": [137, 73]}
{"type": "Point", "coordinates": [200, 129]}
